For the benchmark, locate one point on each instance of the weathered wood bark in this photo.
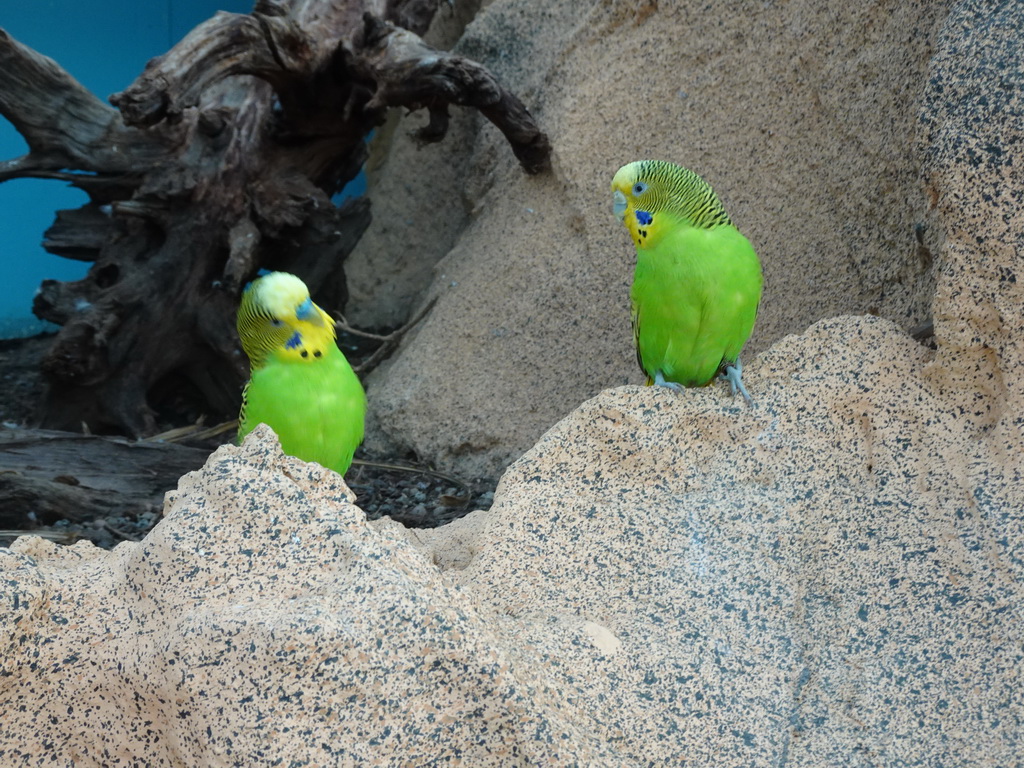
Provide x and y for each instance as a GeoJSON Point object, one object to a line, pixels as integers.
{"type": "Point", "coordinates": [50, 476]}
{"type": "Point", "coordinates": [220, 159]}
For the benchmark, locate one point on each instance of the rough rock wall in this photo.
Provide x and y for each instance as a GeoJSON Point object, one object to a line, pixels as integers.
{"type": "Point", "coordinates": [417, 203]}
{"type": "Point", "coordinates": [834, 577]}
{"type": "Point", "coordinates": [801, 114]}
{"type": "Point", "coordinates": [973, 134]}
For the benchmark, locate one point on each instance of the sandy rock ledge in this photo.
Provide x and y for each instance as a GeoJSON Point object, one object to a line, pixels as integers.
{"type": "Point", "coordinates": [262, 620]}
{"type": "Point", "coordinates": [663, 579]}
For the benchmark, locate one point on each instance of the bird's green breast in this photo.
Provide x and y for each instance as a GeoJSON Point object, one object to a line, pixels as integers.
{"type": "Point", "coordinates": [317, 409]}
{"type": "Point", "coordinates": [695, 294]}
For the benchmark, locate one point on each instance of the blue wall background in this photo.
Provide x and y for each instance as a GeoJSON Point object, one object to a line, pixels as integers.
{"type": "Point", "coordinates": [104, 45]}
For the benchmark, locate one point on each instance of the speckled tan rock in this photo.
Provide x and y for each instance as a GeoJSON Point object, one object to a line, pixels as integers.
{"type": "Point", "coordinates": [973, 128]}
{"type": "Point", "coordinates": [801, 114]}
{"type": "Point", "coordinates": [262, 622]}
{"type": "Point", "coordinates": [833, 574]}
{"type": "Point", "coordinates": [663, 579]}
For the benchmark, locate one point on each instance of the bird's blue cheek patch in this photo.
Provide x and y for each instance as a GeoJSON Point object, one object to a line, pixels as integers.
{"type": "Point", "coordinates": [644, 218]}
{"type": "Point", "coordinates": [304, 310]}
{"type": "Point", "coordinates": [294, 341]}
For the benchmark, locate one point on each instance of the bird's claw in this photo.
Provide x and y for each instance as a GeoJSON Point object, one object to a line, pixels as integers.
{"type": "Point", "coordinates": [734, 375]}
{"type": "Point", "coordinates": [659, 381]}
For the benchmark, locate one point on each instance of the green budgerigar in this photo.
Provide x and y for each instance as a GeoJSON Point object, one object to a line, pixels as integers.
{"type": "Point", "coordinates": [697, 283]}
{"type": "Point", "coordinates": [300, 383]}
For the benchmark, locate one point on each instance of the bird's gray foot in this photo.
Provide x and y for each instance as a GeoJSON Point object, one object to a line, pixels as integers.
{"type": "Point", "coordinates": [659, 381]}
{"type": "Point", "coordinates": [734, 375]}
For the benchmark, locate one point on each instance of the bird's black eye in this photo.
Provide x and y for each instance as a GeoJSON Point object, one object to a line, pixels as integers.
{"type": "Point", "coordinates": [276, 323]}
{"type": "Point", "coordinates": [639, 188]}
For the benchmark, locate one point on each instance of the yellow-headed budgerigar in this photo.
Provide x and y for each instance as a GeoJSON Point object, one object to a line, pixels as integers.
{"type": "Point", "coordinates": [300, 383]}
{"type": "Point", "coordinates": [697, 283]}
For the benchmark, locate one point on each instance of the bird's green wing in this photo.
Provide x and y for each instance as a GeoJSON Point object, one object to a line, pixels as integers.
{"type": "Point", "coordinates": [635, 321]}
{"type": "Point", "coordinates": [733, 298]}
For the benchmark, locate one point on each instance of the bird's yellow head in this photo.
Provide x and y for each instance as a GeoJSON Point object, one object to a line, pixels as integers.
{"type": "Point", "coordinates": [651, 196]}
{"type": "Point", "coordinates": [278, 318]}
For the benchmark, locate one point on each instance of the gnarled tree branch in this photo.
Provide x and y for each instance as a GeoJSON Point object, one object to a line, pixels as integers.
{"type": "Point", "coordinates": [272, 48]}
{"type": "Point", "coordinates": [220, 159]}
{"type": "Point", "coordinates": [409, 73]}
{"type": "Point", "coordinates": [64, 125]}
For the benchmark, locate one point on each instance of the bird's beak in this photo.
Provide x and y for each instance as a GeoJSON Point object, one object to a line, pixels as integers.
{"type": "Point", "coordinates": [619, 205]}
{"type": "Point", "coordinates": [311, 313]}
{"type": "Point", "coordinates": [326, 319]}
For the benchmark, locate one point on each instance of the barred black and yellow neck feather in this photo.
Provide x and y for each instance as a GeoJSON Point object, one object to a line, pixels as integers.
{"type": "Point", "coordinates": [257, 331]}
{"type": "Point", "coordinates": [682, 192]}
